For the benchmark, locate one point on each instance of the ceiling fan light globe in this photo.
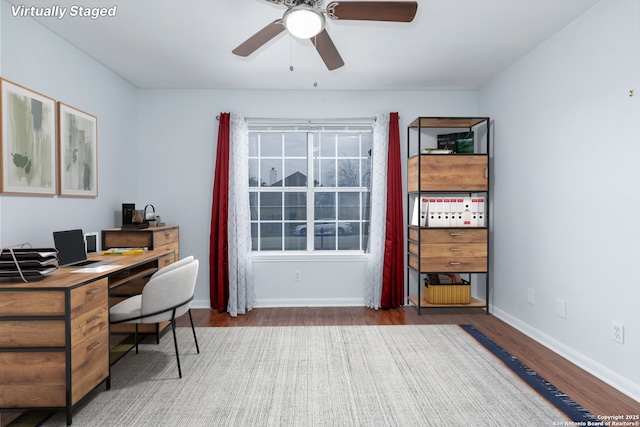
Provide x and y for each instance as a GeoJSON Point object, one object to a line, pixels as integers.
{"type": "Point", "coordinates": [303, 21]}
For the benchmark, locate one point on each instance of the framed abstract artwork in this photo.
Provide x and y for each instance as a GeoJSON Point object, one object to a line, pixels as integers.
{"type": "Point", "coordinates": [77, 152]}
{"type": "Point", "coordinates": [28, 140]}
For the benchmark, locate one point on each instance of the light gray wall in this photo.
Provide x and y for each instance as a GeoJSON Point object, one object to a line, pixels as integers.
{"type": "Point", "coordinates": [566, 191]}
{"type": "Point", "coordinates": [177, 138]}
{"type": "Point", "coordinates": [34, 57]}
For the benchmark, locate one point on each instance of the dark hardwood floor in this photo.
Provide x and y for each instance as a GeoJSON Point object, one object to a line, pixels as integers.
{"type": "Point", "coordinates": [590, 392]}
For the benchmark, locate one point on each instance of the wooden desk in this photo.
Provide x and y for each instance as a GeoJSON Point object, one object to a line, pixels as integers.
{"type": "Point", "coordinates": [54, 333]}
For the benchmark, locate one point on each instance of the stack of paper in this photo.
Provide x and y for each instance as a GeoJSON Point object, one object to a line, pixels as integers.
{"type": "Point", "coordinates": [125, 251]}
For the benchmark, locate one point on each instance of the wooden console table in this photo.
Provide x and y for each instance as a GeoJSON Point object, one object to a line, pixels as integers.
{"type": "Point", "coordinates": [154, 238]}
{"type": "Point", "coordinates": [54, 333]}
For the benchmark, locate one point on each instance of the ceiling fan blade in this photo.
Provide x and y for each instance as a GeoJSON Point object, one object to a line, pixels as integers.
{"type": "Point", "coordinates": [260, 38]}
{"type": "Point", "coordinates": [395, 11]}
{"type": "Point", "coordinates": [327, 50]}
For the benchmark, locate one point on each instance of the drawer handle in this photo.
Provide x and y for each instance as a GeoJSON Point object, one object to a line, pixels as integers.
{"type": "Point", "coordinates": [454, 263]}
{"type": "Point", "coordinates": [454, 249]}
{"type": "Point", "coordinates": [93, 291]}
{"type": "Point", "coordinates": [94, 319]}
{"type": "Point", "coordinates": [454, 234]}
{"type": "Point", "coordinates": [486, 173]}
{"type": "Point", "coordinates": [94, 346]}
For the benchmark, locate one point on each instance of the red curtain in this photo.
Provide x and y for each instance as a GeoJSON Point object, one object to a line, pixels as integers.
{"type": "Point", "coordinates": [393, 269]}
{"type": "Point", "coordinates": [218, 249]}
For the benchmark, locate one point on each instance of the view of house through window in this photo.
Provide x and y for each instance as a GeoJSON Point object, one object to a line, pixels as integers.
{"type": "Point", "coordinates": [310, 189]}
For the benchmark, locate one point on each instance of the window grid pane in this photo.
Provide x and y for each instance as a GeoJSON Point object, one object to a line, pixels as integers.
{"type": "Point", "coordinates": [278, 171]}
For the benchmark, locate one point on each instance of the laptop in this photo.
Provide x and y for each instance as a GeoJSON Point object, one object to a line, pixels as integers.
{"type": "Point", "coordinates": [72, 250]}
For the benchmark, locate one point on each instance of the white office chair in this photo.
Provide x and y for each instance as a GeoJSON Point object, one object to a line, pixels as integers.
{"type": "Point", "coordinates": [166, 296]}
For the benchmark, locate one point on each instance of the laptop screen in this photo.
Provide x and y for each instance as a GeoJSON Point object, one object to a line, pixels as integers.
{"type": "Point", "coordinates": [70, 246]}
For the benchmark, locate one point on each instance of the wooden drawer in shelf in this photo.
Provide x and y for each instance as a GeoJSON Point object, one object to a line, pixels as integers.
{"type": "Point", "coordinates": [443, 265]}
{"type": "Point", "coordinates": [449, 235]}
{"type": "Point", "coordinates": [449, 173]}
{"type": "Point", "coordinates": [448, 249]}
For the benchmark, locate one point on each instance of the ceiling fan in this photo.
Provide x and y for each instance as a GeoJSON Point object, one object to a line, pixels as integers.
{"type": "Point", "coordinates": [305, 19]}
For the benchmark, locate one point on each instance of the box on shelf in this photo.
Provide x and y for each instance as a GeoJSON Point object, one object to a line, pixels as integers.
{"type": "Point", "coordinates": [446, 289]}
{"type": "Point", "coordinates": [459, 142]}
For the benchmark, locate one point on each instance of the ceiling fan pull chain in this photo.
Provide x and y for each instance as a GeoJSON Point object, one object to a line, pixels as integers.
{"type": "Point", "coordinates": [290, 54]}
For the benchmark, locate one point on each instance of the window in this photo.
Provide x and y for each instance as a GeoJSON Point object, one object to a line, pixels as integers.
{"type": "Point", "coordinates": [309, 190]}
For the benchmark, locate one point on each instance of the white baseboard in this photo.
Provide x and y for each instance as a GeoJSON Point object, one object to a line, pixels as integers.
{"type": "Point", "coordinates": [201, 303]}
{"type": "Point", "coordinates": [602, 372]}
{"type": "Point", "coordinates": [295, 302]}
{"type": "Point", "coordinates": [310, 302]}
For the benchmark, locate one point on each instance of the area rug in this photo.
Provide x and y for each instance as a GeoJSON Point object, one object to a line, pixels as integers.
{"type": "Point", "coordinates": [414, 375]}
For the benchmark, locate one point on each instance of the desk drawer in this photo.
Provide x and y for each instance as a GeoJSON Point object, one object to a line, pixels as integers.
{"type": "Point", "coordinates": [168, 259]}
{"type": "Point", "coordinates": [89, 296]}
{"type": "Point", "coordinates": [32, 379]}
{"type": "Point", "coordinates": [89, 323]}
{"type": "Point", "coordinates": [175, 255]}
{"type": "Point", "coordinates": [31, 303]}
{"type": "Point", "coordinates": [89, 364]}
{"type": "Point", "coordinates": [165, 237]}
{"type": "Point", "coordinates": [31, 333]}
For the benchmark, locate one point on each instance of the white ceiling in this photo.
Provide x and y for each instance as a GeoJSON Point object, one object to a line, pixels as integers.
{"type": "Point", "coordinates": [451, 44]}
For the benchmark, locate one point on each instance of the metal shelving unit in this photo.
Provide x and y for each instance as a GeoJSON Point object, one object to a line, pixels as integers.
{"type": "Point", "coordinates": [447, 249]}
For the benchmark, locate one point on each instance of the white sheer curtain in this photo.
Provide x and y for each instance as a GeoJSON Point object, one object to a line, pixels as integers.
{"type": "Point", "coordinates": [375, 256]}
{"type": "Point", "coordinates": [241, 292]}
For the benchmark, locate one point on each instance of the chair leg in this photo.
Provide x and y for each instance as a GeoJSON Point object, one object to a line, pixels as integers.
{"type": "Point", "coordinates": [194, 332]}
{"type": "Point", "coordinates": [175, 342]}
{"type": "Point", "coordinates": [136, 338]}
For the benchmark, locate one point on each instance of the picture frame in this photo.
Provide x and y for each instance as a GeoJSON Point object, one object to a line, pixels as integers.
{"type": "Point", "coordinates": [77, 152]}
{"type": "Point", "coordinates": [27, 141]}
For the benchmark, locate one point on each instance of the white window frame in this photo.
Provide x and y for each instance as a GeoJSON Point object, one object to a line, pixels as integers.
{"type": "Point", "coordinates": [312, 129]}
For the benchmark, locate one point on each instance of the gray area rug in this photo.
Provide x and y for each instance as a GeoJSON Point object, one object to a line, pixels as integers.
{"type": "Point", "coordinates": [418, 375]}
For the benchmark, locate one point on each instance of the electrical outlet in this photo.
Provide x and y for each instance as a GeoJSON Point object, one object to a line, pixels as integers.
{"type": "Point", "coordinates": [296, 275]}
{"type": "Point", "coordinates": [561, 308]}
{"type": "Point", "coordinates": [530, 296]}
{"type": "Point", "coordinates": [617, 332]}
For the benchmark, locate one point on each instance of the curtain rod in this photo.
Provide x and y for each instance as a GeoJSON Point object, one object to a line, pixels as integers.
{"type": "Point", "coordinates": [267, 120]}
